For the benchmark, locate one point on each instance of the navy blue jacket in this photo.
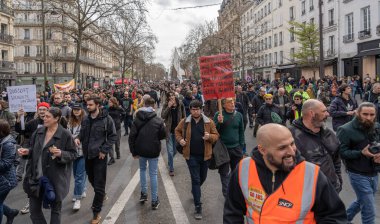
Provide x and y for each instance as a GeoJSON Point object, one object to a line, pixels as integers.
{"type": "Point", "coordinates": [338, 111]}
{"type": "Point", "coordinates": [7, 166]}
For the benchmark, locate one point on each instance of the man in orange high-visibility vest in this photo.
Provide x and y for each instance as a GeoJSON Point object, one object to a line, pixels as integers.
{"type": "Point", "coordinates": [276, 185]}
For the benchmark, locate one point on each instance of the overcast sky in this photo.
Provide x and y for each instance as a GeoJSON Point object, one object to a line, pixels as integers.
{"type": "Point", "coordinates": [172, 26]}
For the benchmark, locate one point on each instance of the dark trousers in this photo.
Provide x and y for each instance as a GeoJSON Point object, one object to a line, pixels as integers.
{"type": "Point", "coordinates": [255, 128]}
{"type": "Point", "coordinates": [198, 171]}
{"type": "Point", "coordinates": [236, 154]}
{"type": "Point", "coordinates": [250, 116]}
{"type": "Point", "coordinates": [4, 210]}
{"type": "Point", "coordinates": [36, 215]}
{"type": "Point", "coordinates": [117, 145]}
{"type": "Point", "coordinates": [127, 122]}
{"type": "Point", "coordinates": [97, 174]}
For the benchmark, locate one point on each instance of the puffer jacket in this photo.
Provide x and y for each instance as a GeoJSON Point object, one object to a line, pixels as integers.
{"type": "Point", "coordinates": [338, 111]}
{"type": "Point", "coordinates": [97, 135]}
{"type": "Point", "coordinates": [321, 149]}
{"type": "Point", "coordinates": [209, 127]}
{"type": "Point", "coordinates": [7, 166]}
{"type": "Point", "coordinates": [146, 133]}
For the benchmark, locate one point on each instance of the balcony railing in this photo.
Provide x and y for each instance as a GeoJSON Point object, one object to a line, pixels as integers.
{"type": "Point", "coordinates": [345, 1]}
{"type": "Point", "coordinates": [364, 34]}
{"type": "Point", "coordinates": [7, 65]}
{"type": "Point", "coordinates": [348, 38]}
{"type": "Point", "coordinates": [26, 55]}
{"type": "Point", "coordinates": [5, 38]}
{"type": "Point", "coordinates": [6, 9]}
{"type": "Point", "coordinates": [378, 30]}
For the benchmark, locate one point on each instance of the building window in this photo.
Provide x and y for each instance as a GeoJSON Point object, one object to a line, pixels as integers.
{"type": "Point", "coordinates": [292, 54]}
{"type": "Point", "coordinates": [26, 34]}
{"type": "Point", "coordinates": [292, 38]}
{"type": "Point", "coordinates": [49, 67]}
{"type": "Point", "coordinates": [47, 51]}
{"type": "Point", "coordinates": [312, 21]}
{"type": "Point", "coordinates": [64, 50]}
{"type": "Point", "coordinates": [280, 38]}
{"type": "Point", "coordinates": [265, 10]}
{"type": "Point", "coordinates": [39, 51]}
{"type": "Point", "coordinates": [64, 67]}
{"type": "Point", "coordinates": [266, 43]}
{"type": "Point", "coordinates": [366, 18]}
{"type": "Point", "coordinates": [270, 42]}
{"type": "Point", "coordinates": [270, 58]}
{"type": "Point", "coordinates": [303, 8]}
{"type": "Point", "coordinates": [281, 57]}
{"type": "Point", "coordinates": [330, 51]}
{"type": "Point", "coordinates": [27, 67]}
{"type": "Point", "coordinates": [349, 27]}
{"type": "Point", "coordinates": [275, 58]}
{"type": "Point", "coordinates": [269, 8]}
{"type": "Point", "coordinates": [279, 3]}
{"type": "Point", "coordinates": [26, 51]}
{"type": "Point", "coordinates": [311, 3]}
{"type": "Point", "coordinates": [331, 17]}
{"type": "Point", "coordinates": [275, 40]}
{"type": "Point", "coordinates": [49, 34]}
{"type": "Point", "coordinates": [39, 67]}
{"type": "Point", "coordinates": [291, 13]}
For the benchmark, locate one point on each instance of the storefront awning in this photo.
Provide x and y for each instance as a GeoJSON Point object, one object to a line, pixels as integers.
{"type": "Point", "coordinates": [285, 66]}
{"type": "Point", "coordinates": [370, 52]}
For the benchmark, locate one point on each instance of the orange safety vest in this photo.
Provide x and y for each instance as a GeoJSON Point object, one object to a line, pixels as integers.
{"type": "Point", "coordinates": [290, 203]}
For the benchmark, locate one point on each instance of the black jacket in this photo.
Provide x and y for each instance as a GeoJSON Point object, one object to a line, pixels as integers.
{"type": "Point", "coordinates": [118, 115]}
{"type": "Point", "coordinates": [57, 170]}
{"type": "Point", "coordinates": [328, 207]}
{"type": "Point", "coordinates": [338, 111]}
{"type": "Point", "coordinates": [146, 133]}
{"type": "Point", "coordinates": [97, 135]}
{"type": "Point", "coordinates": [321, 149]}
{"type": "Point", "coordinates": [264, 115]}
{"type": "Point", "coordinates": [258, 101]}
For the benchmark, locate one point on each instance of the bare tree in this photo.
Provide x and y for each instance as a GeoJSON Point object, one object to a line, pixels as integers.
{"type": "Point", "coordinates": [87, 14]}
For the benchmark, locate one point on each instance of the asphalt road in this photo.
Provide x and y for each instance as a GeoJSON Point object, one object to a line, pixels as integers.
{"type": "Point", "coordinates": [176, 206]}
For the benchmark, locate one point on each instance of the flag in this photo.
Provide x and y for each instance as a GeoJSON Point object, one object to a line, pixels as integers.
{"type": "Point", "coordinates": [65, 87]}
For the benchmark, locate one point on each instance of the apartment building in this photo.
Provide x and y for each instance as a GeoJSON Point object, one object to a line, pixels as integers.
{"type": "Point", "coordinates": [272, 47]}
{"type": "Point", "coordinates": [7, 68]}
{"type": "Point", "coordinates": [98, 54]}
{"type": "Point", "coordinates": [360, 35]}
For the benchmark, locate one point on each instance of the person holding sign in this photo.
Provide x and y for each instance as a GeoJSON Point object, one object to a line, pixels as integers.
{"type": "Point", "coordinates": [230, 126]}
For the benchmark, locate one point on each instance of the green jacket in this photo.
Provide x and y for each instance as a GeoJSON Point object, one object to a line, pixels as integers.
{"type": "Point", "coordinates": [233, 135]}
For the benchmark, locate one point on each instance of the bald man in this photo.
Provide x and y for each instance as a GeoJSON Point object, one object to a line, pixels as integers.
{"type": "Point", "coordinates": [273, 184]}
{"type": "Point", "coordinates": [317, 143]}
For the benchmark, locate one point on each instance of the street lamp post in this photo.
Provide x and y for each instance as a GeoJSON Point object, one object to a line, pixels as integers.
{"type": "Point", "coordinates": [44, 45]}
{"type": "Point", "coordinates": [321, 55]}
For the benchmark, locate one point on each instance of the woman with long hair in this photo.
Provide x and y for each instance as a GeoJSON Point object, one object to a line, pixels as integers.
{"type": "Point", "coordinates": [50, 156]}
{"type": "Point", "coordinates": [7, 169]}
{"type": "Point", "coordinates": [79, 170]}
{"type": "Point", "coordinates": [117, 113]}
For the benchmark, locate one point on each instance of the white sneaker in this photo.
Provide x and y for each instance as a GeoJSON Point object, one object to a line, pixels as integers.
{"type": "Point", "coordinates": [84, 194]}
{"type": "Point", "coordinates": [76, 206]}
{"type": "Point", "coordinates": [74, 199]}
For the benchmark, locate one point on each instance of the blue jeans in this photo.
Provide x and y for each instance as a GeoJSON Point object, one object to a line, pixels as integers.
{"type": "Point", "coordinates": [153, 170]}
{"type": "Point", "coordinates": [365, 189]}
{"type": "Point", "coordinates": [80, 177]}
{"type": "Point", "coordinates": [198, 170]}
{"type": "Point", "coordinates": [171, 149]}
{"type": "Point", "coordinates": [3, 208]}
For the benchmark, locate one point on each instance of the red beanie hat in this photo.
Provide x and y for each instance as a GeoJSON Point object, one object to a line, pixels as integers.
{"type": "Point", "coordinates": [43, 104]}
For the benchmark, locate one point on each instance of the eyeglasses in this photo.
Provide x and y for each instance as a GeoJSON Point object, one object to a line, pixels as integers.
{"type": "Point", "coordinates": [57, 98]}
{"type": "Point", "coordinates": [268, 98]}
{"type": "Point", "coordinates": [297, 99]}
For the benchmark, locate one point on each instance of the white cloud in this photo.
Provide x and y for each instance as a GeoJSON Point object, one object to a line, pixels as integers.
{"type": "Point", "coordinates": [171, 26]}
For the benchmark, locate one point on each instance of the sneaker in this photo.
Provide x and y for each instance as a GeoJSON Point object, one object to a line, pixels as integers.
{"type": "Point", "coordinates": [171, 173]}
{"type": "Point", "coordinates": [112, 161]}
{"type": "Point", "coordinates": [96, 219]}
{"type": "Point", "coordinates": [105, 197]}
{"type": "Point", "coordinates": [11, 216]}
{"type": "Point", "coordinates": [25, 209]}
{"type": "Point", "coordinates": [155, 204]}
{"type": "Point", "coordinates": [144, 197]}
{"type": "Point", "coordinates": [74, 200]}
{"type": "Point", "coordinates": [84, 194]}
{"type": "Point", "coordinates": [198, 213]}
{"type": "Point", "coordinates": [76, 206]}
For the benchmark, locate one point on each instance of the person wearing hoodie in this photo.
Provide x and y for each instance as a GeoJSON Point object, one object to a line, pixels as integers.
{"type": "Point", "coordinates": [144, 143]}
{"type": "Point", "coordinates": [7, 170]}
{"type": "Point", "coordinates": [272, 184]}
{"type": "Point", "coordinates": [342, 108]}
{"type": "Point", "coordinates": [317, 143]}
{"type": "Point", "coordinates": [97, 135]}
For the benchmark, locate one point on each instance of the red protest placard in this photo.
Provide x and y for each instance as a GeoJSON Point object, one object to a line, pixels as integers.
{"type": "Point", "coordinates": [217, 76]}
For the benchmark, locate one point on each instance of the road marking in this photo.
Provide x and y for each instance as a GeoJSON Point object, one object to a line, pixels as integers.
{"type": "Point", "coordinates": [177, 208]}
{"type": "Point", "coordinates": [119, 205]}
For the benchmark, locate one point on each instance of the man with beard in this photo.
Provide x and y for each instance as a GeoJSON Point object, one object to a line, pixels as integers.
{"type": "Point", "coordinates": [273, 185]}
{"type": "Point", "coordinates": [317, 143]}
{"type": "Point", "coordinates": [58, 102]}
{"type": "Point", "coordinates": [361, 160]}
{"type": "Point", "coordinates": [97, 135]}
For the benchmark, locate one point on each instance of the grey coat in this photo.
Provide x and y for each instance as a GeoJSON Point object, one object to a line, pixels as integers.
{"type": "Point", "coordinates": [57, 170]}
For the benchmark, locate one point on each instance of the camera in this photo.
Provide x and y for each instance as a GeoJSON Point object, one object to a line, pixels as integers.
{"type": "Point", "coordinates": [374, 147]}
